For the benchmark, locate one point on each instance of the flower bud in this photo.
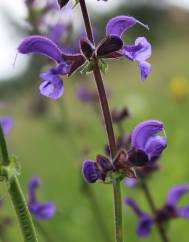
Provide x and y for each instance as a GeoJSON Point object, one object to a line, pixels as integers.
{"type": "Point", "coordinates": [119, 115]}
{"type": "Point", "coordinates": [109, 45]}
{"type": "Point", "coordinates": [86, 48]}
{"type": "Point", "coordinates": [104, 163]}
{"type": "Point", "coordinates": [137, 157]}
{"type": "Point", "coordinates": [91, 172]}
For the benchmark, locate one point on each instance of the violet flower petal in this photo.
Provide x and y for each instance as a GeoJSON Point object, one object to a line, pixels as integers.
{"type": "Point", "coordinates": [37, 44]}
{"type": "Point", "coordinates": [183, 212]}
{"type": "Point", "coordinates": [175, 194]}
{"type": "Point", "coordinates": [118, 25]}
{"type": "Point", "coordinates": [145, 69]}
{"type": "Point", "coordinates": [6, 124]}
{"type": "Point", "coordinates": [140, 52]}
{"type": "Point", "coordinates": [144, 131]}
{"type": "Point", "coordinates": [61, 69]}
{"type": "Point", "coordinates": [155, 146]}
{"type": "Point", "coordinates": [145, 226]}
{"type": "Point", "coordinates": [43, 211]}
{"type": "Point", "coordinates": [52, 86]}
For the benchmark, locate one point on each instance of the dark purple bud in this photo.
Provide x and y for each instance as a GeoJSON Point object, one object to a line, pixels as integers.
{"type": "Point", "coordinates": [104, 163]}
{"type": "Point", "coordinates": [62, 3]}
{"type": "Point", "coordinates": [86, 48]}
{"type": "Point", "coordinates": [91, 172]}
{"type": "Point", "coordinates": [137, 157]}
{"type": "Point", "coordinates": [119, 115]}
{"type": "Point", "coordinates": [109, 45]}
{"type": "Point", "coordinates": [75, 61]}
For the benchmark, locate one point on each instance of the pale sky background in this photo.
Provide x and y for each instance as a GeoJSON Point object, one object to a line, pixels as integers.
{"type": "Point", "coordinates": [17, 9]}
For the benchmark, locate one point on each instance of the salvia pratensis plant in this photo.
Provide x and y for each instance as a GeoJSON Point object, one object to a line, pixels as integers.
{"type": "Point", "coordinates": [142, 150]}
{"type": "Point", "coordinates": [91, 58]}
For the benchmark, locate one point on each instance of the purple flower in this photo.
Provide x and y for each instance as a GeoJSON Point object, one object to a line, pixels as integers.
{"type": "Point", "coordinates": [66, 64]}
{"type": "Point", "coordinates": [42, 211]}
{"type": "Point", "coordinates": [170, 210]}
{"type": "Point", "coordinates": [145, 138]}
{"type": "Point", "coordinates": [145, 221]}
{"type": "Point", "coordinates": [173, 198]}
{"type": "Point", "coordinates": [138, 52]}
{"type": "Point", "coordinates": [6, 124]}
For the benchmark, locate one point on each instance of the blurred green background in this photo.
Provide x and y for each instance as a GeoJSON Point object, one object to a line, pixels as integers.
{"type": "Point", "coordinates": [50, 144]}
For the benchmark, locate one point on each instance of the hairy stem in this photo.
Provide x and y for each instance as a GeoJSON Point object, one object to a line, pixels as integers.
{"type": "Point", "coordinates": [118, 211]}
{"type": "Point", "coordinates": [17, 197]}
{"type": "Point", "coordinates": [153, 209]}
{"type": "Point", "coordinates": [22, 211]}
{"type": "Point", "coordinates": [108, 124]}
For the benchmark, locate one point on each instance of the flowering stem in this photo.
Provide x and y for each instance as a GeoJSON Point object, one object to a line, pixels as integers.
{"type": "Point", "coordinates": [153, 208]}
{"type": "Point", "coordinates": [17, 196]}
{"type": "Point", "coordinates": [108, 124]}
